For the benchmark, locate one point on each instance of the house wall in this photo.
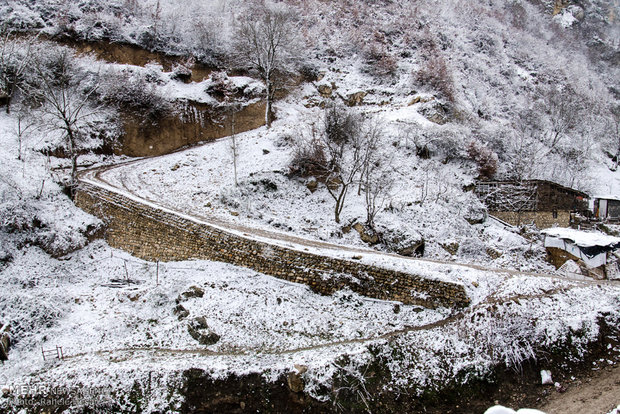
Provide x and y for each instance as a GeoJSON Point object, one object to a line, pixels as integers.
{"type": "Point", "coordinates": [613, 209]}
{"type": "Point", "coordinates": [154, 234]}
{"type": "Point", "coordinates": [542, 219]}
{"type": "Point", "coordinates": [555, 197]}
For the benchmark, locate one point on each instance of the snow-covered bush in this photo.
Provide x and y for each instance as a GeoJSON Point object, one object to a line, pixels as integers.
{"type": "Point", "coordinates": [309, 160]}
{"type": "Point", "coordinates": [435, 74]}
{"type": "Point", "coordinates": [136, 93]}
{"type": "Point", "coordinates": [485, 158]}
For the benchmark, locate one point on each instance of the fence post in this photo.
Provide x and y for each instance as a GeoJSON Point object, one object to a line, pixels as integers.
{"type": "Point", "coordinates": [157, 275]}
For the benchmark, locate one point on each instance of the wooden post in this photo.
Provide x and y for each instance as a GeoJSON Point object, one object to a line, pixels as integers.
{"type": "Point", "coordinates": [5, 343]}
{"type": "Point", "coordinates": [157, 275]}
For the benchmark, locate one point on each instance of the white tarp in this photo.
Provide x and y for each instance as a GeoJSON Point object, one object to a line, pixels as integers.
{"type": "Point", "coordinates": [582, 238]}
{"type": "Point", "coordinates": [596, 261]}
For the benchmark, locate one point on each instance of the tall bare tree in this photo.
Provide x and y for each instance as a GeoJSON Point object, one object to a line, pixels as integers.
{"type": "Point", "coordinates": [265, 41]}
{"type": "Point", "coordinates": [64, 92]}
{"type": "Point", "coordinates": [14, 60]}
{"type": "Point", "coordinates": [342, 141]}
{"type": "Point", "coordinates": [376, 180]}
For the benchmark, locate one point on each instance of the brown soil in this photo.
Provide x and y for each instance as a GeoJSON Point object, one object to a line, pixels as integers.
{"type": "Point", "coordinates": [594, 392]}
{"type": "Point", "coordinates": [134, 55]}
{"type": "Point", "coordinates": [195, 123]}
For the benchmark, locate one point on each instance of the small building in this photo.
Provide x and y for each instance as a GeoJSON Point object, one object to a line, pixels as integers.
{"type": "Point", "coordinates": [597, 254]}
{"type": "Point", "coordinates": [607, 207]}
{"type": "Point", "coordinates": [543, 203]}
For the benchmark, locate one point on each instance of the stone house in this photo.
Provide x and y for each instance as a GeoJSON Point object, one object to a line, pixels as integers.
{"type": "Point", "coordinates": [595, 254]}
{"type": "Point", "coordinates": [607, 207]}
{"type": "Point", "coordinates": [543, 203]}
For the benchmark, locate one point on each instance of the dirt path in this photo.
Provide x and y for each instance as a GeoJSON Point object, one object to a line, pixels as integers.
{"type": "Point", "coordinates": [598, 393]}
{"type": "Point", "coordinates": [385, 336]}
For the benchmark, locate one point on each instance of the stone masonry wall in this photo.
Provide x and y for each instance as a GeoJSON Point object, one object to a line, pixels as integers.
{"type": "Point", "coordinates": [153, 234]}
{"type": "Point", "coordinates": [542, 219]}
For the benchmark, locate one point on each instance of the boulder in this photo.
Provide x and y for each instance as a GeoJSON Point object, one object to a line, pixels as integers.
{"type": "Point", "coordinates": [410, 244]}
{"type": "Point", "coordinates": [367, 234]}
{"type": "Point", "coordinates": [193, 292]}
{"type": "Point", "coordinates": [325, 90]}
{"type": "Point", "coordinates": [200, 331]}
{"type": "Point", "coordinates": [355, 99]}
{"type": "Point", "coordinates": [436, 112]}
{"type": "Point", "coordinates": [312, 184]}
{"type": "Point", "coordinates": [294, 379]}
{"type": "Point", "coordinates": [450, 247]}
{"type": "Point", "coordinates": [5, 343]}
{"type": "Point", "coordinates": [181, 312]}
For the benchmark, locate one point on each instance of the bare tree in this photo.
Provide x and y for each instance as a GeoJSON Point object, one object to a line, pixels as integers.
{"type": "Point", "coordinates": [224, 87]}
{"type": "Point", "coordinates": [343, 143]}
{"type": "Point", "coordinates": [613, 123]}
{"type": "Point", "coordinates": [14, 60]}
{"type": "Point", "coordinates": [376, 180]}
{"type": "Point", "coordinates": [265, 42]}
{"type": "Point", "coordinates": [563, 108]}
{"type": "Point", "coordinates": [64, 91]}
{"type": "Point", "coordinates": [25, 125]}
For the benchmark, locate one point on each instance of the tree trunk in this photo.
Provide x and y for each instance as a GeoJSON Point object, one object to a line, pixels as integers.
{"type": "Point", "coordinates": [337, 213]}
{"type": "Point", "coordinates": [9, 96]}
{"type": "Point", "coordinates": [74, 157]}
{"type": "Point", "coordinates": [269, 88]}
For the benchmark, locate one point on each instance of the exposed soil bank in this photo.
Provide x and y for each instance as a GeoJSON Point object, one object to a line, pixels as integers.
{"type": "Point", "coordinates": [127, 54]}
{"type": "Point", "coordinates": [190, 123]}
{"type": "Point", "coordinates": [195, 122]}
{"type": "Point", "coordinates": [589, 392]}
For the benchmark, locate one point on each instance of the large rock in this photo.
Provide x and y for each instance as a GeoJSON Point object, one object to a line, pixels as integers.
{"type": "Point", "coordinates": [436, 112]}
{"type": "Point", "coordinates": [355, 99]}
{"type": "Point", "coordinates": [295, 380]}
{"type": "Point", "coordinates": [200, 331]}
{"type": "Point", "coordinates": [367, 234]}
{"type": "Point", "coordinates": [325, 90]}
{"type": "Point", "coordinates": [193, 292]}
{"type": "Point", "coordinates": [410, 244]}
{"type": "Point", "coordinates": [5, 342]}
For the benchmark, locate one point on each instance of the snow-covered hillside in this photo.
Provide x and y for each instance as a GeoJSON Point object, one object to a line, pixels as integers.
{"type": "Point", "coordinates": [531, 84]}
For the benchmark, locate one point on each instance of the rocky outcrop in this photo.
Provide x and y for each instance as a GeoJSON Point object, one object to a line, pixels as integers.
{"type": "Point", "coordinates": [200, 331]}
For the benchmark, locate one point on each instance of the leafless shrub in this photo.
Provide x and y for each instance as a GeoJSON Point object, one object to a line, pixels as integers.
{"type": "Point", "coordinates": [309, 160]}
{"type": "Point", "coordinates": [379, 59]}
{"type": "Point", "coordinates": [484, 157]}
{"type": "Point", "coordinates": [435, 74]}
{"type": "Point", "coordinates": [133, 93]}
{"type": "Point", "coordinates": [507, 337]}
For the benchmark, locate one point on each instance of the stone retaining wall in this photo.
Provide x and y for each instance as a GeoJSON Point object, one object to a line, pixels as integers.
{"type": "Point", "coordinates": [542, 219]}
{"type": "Point", "coordinates": [153, 234]}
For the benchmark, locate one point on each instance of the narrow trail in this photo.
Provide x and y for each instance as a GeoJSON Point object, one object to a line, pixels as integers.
{"type": "Point", "coordinates": [386, 336]}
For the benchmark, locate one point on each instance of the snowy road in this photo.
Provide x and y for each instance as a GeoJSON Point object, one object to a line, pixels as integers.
{"type": "Point", "coordinates": [125, 179]}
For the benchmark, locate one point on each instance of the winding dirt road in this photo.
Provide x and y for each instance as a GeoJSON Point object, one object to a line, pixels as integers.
{"type": "Point", "coordinates": [96, 176]}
